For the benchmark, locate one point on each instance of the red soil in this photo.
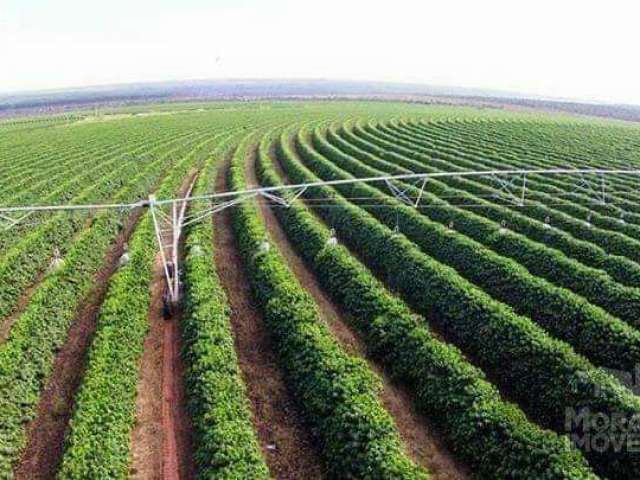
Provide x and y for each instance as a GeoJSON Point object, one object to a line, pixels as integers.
{"type": "Point", "coordinates": [161, 439]}
{"type": "Point", "coordinates": [147, 435]}
{"type": "Point", "coordinates": [176, 422]}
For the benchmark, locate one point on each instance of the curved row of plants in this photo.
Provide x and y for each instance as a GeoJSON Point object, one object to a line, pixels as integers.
{"type": "Point", "coordinates": [492, 135]}
{"type": "Point", "coordinates": [33, 159]}
{"type": "Point", "coordinates": [545, 375]}
{"type": "Point", "coordinates": [17, 150]}
{"type": "Point", "coordinates": [338, 392]}
{"type": "Point", "coordinates": [39, 172]}
{"type": "Point", "coordinates": [518, 144]}
{"type": "Point", "coordinates": [31, 254]}
{"type": "Point", "coordinates": [612, 241]}
{"type": "Point", "coordinates": [492, 436]}
{"type": "Point", "coordinates": [596, 286]}
{"type": "Point", "coordinates": [48, 152]}
{"type": "Point", "coordinates": [79, 188]}
{"type": "Point", "coordinates": [545, 189]}
{"type": "Point", "coordinates": [620, 268]}
{"type": "Point", "coordinates": [22, 186]}
{"type": "Point", "coordinates": [35, 122]}
{"type": "Point", "coordinates": [57, 180]}
{"type": "Point", "coordinates": [561, 186]}
{"type": "Point", "coordinates": [34, 156]}
{"type": "Point", "coordinates": [620, 189]}
{"type": "Point", "coordinates": [604, 339]}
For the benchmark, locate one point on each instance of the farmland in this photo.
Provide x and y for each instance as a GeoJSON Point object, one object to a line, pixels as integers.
{"type": "Point", "coordinates": [442, 327]}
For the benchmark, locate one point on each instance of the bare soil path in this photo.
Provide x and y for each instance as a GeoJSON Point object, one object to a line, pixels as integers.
{"type": "Point", "coordinates": [420, 438]}
{"type": "Point", "coordinates": [178, 461]}
{"type": "Point", "coordinates": [286, 443]}
{"type": "Point", "coordinates": [161, 439]}
{"type": "Point", "coordinates": [147, 436]}
{"type": "Point", "coordinates": [45, 433]}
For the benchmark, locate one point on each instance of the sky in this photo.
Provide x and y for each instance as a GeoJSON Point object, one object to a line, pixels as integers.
{"type": "Point", "coordinates": [584, 50]}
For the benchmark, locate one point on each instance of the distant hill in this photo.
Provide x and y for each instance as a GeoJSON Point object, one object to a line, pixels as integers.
{"type": "Point", "coordinates": [50, 101]}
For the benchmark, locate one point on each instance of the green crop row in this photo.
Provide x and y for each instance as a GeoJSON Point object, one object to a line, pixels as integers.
{"type": "Point", "coordinates": [492, 436]}
{"type": "Point", "coordinates": [40, 177]}
{"type": "Point", "coordinates": [34, 158]}
{"type": "Point", "coordinates": [37, 122]}
{"type": "Point", "coordinates": [225, 445]}
{"type": "Point", "coordinates": [550, 190]}
{"type": "Point", "coordinates": [41, 163]}
{"type": "Point", "coordinates": [480, 133]}
{"type": "Point", "coordinates": [21, 265]}
{"type": "Point", "coordinates": [545, 375]}
{"type": "Point", "coordinates": [338, 392]}
{"type": "Point", "coordinates": [605, 339]}
{"type": "Point", "coordinates": [489, 156]}
{"type": "Point", "coordinates": [567, 190]}
{"type": "Point", "coordinates": [78, 188]}
{"type": "Point", "coordinates": [620, 268]}
{"type": "Point", "coordinates": [612, 241]}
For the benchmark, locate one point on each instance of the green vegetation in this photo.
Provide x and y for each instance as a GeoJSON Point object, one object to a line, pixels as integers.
{"type": "Point", "coordinates": [98, 441]}
{"type": "Point", "coordinates": [225, 445]}
{"type": "Point", "coordinates": [338, 392]}
{"type": "Point", "coordinates": [490, 434]}
{"type": "Point", "coordinates": [495, 318]}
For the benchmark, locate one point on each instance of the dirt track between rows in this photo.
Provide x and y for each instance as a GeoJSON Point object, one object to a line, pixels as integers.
{"type": "Point", "coordinates": [161, 439]}
{"type": "Point", "coordinates": [147, 435]}
{"type": "Point", "coordinates": [286, 443]}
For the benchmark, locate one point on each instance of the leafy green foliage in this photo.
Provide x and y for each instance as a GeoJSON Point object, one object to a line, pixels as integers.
{"type": "Point", "coordinates": [604, 339]}
{"type": "Point", "coordinates": [97, 445]}
{"type": "Point", "coordinates": [26, 359]}
{"type": "Point", "coordinates": [337, 392]}
{"type": "Point", "coordinates": [494, 437]}
{"type": "Point", "coordinates": [542, 373]}
{"type": "Point", "coordinates": [539, 259]}
{"type": "Point", "coordinates": [620, 268]}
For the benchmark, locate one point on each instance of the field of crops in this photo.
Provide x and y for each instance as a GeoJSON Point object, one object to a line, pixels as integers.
{"type": "Point", "coordinates": [379, 330]}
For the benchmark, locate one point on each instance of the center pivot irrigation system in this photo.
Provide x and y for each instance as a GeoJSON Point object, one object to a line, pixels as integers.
{"type": "Point", "coordinates": [169, 224]}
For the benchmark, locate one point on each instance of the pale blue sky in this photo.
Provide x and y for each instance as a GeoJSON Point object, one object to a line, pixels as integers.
{"type": "Point", "coordinates": [570, 48]}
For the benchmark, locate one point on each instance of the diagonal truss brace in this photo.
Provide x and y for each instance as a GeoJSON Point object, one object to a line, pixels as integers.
{"type": "Point", "coordinates": [514, 190]}
{"type": "Point", "coordinates": [283, 201]}
{"type": "Point", "coordinates": [216, 208]}
{"type": "Point", "coordinates": [421, 192]}
{"type": "Point", "coordinates": [275, 198]}
{"type": "Point", "coordinates": [401, 195]}
{"type": "Point", "coordinates": [594, 187]}
{"type": "Point", "coordinates": [7, 222]}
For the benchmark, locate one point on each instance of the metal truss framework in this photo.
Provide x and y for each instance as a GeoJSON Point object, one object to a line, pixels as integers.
{"type": "Point", "coordinates": [168, 229]}
{"type": "Point", "coordinates": [171, 216]}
